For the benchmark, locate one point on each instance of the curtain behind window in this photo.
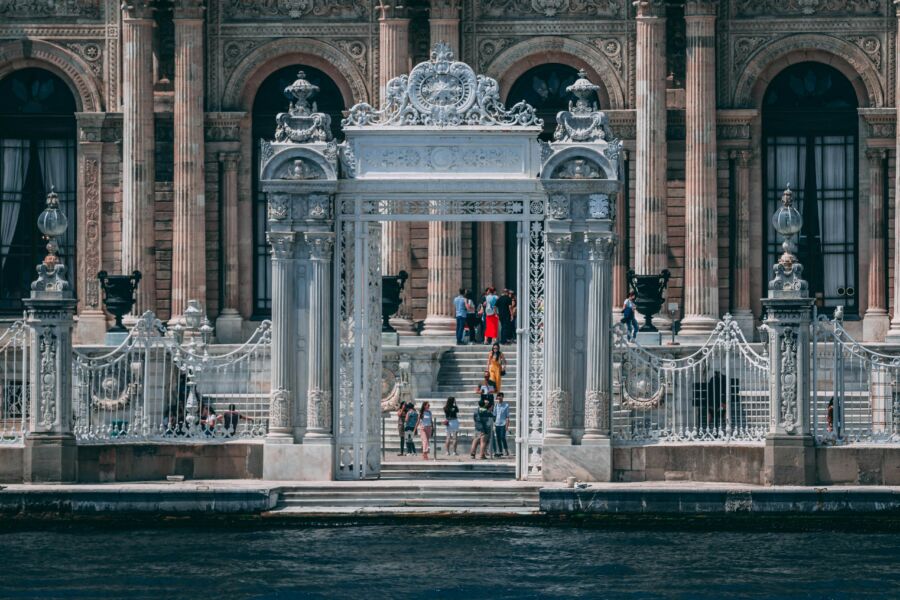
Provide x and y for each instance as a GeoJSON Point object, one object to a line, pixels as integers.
{"type": "Point", "coordinates": [15, 159]}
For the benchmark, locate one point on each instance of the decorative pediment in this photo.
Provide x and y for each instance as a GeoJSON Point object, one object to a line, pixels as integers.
{"type": "Point", "coordinates": [443, 92]}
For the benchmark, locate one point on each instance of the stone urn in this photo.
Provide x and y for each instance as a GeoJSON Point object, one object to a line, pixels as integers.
{"type": "Point", "coordinates": [391, 286]}
{"type": "Point", "coordinates": [118, 295]}
{"type": "Point", "coordinates": [649, 291]}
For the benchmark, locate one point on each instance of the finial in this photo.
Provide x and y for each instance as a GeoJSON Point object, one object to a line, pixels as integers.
{"type": "Point", "coordinates": [441, 52]}
{"type": "Point", "coordinates": [52, 223]}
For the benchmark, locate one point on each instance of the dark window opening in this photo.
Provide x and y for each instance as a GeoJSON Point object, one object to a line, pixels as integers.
{"type": "Point", "coordinates": [810, 142]}
{"type": "Point", "coordinates": [544, 88]}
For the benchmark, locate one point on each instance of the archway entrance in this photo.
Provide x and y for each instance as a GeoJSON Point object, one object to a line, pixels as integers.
{"type": "Point", "coordinates": [810, 141]}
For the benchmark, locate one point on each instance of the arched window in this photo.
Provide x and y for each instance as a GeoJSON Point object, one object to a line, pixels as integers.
{"type": "Point", "coordinates": [269, 101]}
{"type": "Point", "coordinates": [544, 88]}
{"type": "Point", "coordinates": [37, 151]}
{"type": "Point", "coordinates": [810, 142]}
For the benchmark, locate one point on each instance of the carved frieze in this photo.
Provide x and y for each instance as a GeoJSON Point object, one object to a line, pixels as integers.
{"type": "Point", "coordinates": [47, 346]}
{"type": "Point", "coordinates": [41, 9]}
{"type": "Point", "coordinates": [91, 52]}
{"type": "Point", "coordinates": [789, 377]}
{"type": "Point", "coordinates": [295, 9]}
{"type": "Point", "coordinates": [356, 50]}
{"type": "Point", "coordinates": [91, 232]}
{"type": "Point", "coordinates": [801, 8]}
{"type": "Point", "coordinates": [603, 9]}
{"type": "Point", "coordinates": [235, 50]}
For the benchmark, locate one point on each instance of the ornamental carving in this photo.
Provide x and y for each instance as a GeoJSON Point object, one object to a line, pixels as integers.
{"type": "Point", "coordinates": [235, 50]}
{"type": "Point", "coordinates": [559, 247]}
{"type": "Point", "coordinates": [295, 9]}
{"type": "Point", "coordinates": [280, 408]}
{"type": "Point", "coordinates": [29, 9]}
{"type": "Point", "coordinates": [91, 232]}
{"type": "Point", "coordinates": [320, 245]}
{"type": "Point", "coordinates": [871, 46]}
{"type": "Point", "coordinates": [754, 8]}
{"type": "Point", "coordinates": [48, 347]}
{"type": "Point", "coordinates": [553, 8]}
{"type": "Point", "coordinates": [602, 248]}
{"type": "Point", "coordinates": [559, 408]}
{"type": "Point", "coordinates": [600, 206]}
{"type": "Point", "coordinates": [319, 207]}
{"type": "Point", "coordinates": [443, 92]}
{"type": "Point", "coordinates": [596, 410]}
{"type": "Point", "coordinates": [578, 168]}
{"type": "Point", "coordinates": [583, 122]}
{"type": "Point", "coordinates": [318, 406]}
{"type": "Point", "coordinates": [789, 380]}
{"type": "Point", "coordinates": [302, 169]}
{"type": "Point", "coordinates": [355, 49]}
{"type": "Point", "coordinates": [441, 158]}
{"type": "Point", "coordinates": [283, 244]}
{"type": "Point", "coordinates": [91, 52]}
{"type": "Point", "coordinates": [558, 206]}
{"type": "Point", "coordinates": [302, 123]}
{"type": "Point", "coordinates": [279, 207]}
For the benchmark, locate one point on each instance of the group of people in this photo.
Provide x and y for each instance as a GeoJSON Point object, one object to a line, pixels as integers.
{"type": "Point", "coordinates": [491, 320]}
{"type": "Point", "coordinates": [491, 418]}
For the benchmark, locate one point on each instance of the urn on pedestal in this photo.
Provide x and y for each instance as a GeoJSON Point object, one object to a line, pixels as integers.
{"type": "Point", "coordinates": [391, 286]}
{"type": "Point", "coordinates": [650, 294]}
{"type": "Point", "coordinates": [118, 295]}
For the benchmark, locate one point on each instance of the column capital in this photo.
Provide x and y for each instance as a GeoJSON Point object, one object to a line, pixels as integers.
{"type": "Point", "coordinates": [188, 9]}
{"type": "Point", "coordinates": [897, 7]}
{"type": "Point", "coordinates": [283, 243]}
{"type": "Point", "coordinates": [647, 9]}
{"type": "Point", "coordinates": [392, 11]}
{"type": "Point", "coordinates": [137, 10]}
{"type": "Point", "coordinates": [743, 156]}
{"type": "Point", "coordinates": [876, 155]}
{"type": "Point", "coordinates": [601, 248]}
{"type": "Point", "coordinates": [700, 8]}
{"type": "Point", "coordinates": [320, 245]}
{"type": "Point", "coordinates": [90, 126]}
{"type": "Point", "coordinates": [230, 160]}
{"type": "Point", "coordinates": [444, 9]}
{"type": "Point", "coordinates": [559, 246]}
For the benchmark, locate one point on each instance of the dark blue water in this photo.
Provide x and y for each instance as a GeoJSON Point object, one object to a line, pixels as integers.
{"type": "Point", "coordinates": [422, 559]}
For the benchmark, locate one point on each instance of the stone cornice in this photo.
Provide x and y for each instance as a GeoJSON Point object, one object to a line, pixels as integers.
{"type": "Point", "coordinates": [137, 9]}
{"type": "Point", "coordinates": [820, 25]}
{"type": "Point", "coordinates": [276, 30]}
{"type": "Point", "coordinates": [881, 125]}
{"type": "Point", "coordinates": [650, 8]}
{"type": "Point", "coordinates": [53, 32]}
{"type": "Point", "coordinates": [188, 9]}
{"type": "Point", "coordinates": [700, 8]}
{"type": "Point", "coordinates": [554, 27]}
{"type": "Point", "coordinates": [391, 10]}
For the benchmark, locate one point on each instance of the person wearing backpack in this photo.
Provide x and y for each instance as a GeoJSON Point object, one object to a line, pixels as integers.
{"type": "Point", "coordinates": [412, 419]}
{"type": "Point", "coordinates": [629, 316]}
{"type": "Point", "coordinates": [491, 320]}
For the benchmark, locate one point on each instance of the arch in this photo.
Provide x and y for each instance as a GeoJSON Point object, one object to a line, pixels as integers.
{"type": "Point", "coordinates": [847, 58]}
{"type": "Point", "coordinates": [560, 158]}
{"type": "Point", "coordinates": [283, 160]}
{"type": "Point", "coordinates": [240, 90]}
{"type": "Point", "coordinates": [517, 59]}
{"type": "Point", "coordinates": [59, 61]}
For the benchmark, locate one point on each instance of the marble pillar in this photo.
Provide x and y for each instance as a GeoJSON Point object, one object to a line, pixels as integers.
{"type": "Point", "coordinates": [558, 404]}
{"type": "Point", "coordinates": [650, 248]}
{"type": "Point", "coordinates": [598, 376]}
{"type": "Point", "coordinates": [893, 335]}
{"type": "Point", "coordinates": [620, 266]}
{"type": "Point", "coordinates": [444, 276]}
{"type": "Point", "coordinates": [393, 56]}
{"type": "Point", "coordinates": [876, 322]}
{"type": "Point", "coordinates": [138, 150]}
{"type": "Point", "coordinates": [701, 260]}
{"type": "Point", "coordinates": [284, 335]}
{"type": "Point", "coordinates": [229, 322]}
{"type": "Point", "coordinates": [741, 311]}
{"type": "Point", "coordinates": [443, 20]}
{"type": "Point", "coordinates": [319, 387]}
{"type": "Point", "coordinates": [189, 265]}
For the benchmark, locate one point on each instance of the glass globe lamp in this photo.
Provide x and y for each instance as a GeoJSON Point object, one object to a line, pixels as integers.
{"type": "Point", "coordinates": [52, 222]}
{"type": "Point", "coordinates": [787, 220]}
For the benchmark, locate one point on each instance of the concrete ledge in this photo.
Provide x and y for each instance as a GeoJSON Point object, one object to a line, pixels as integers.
{"type": "Point", "coordinates": [149, 462]}
{"type": "Point", "coordinates": [684, 500]}
{"type": "Point", "coordinates": [725, 463]}
{"type": "Point", "coordinates": [12, 463]}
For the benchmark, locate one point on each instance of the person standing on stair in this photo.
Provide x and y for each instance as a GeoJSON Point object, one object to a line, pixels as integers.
{"type": "Point", "coordinates": [412, 420]}
{"type": "Point", "coordinates": [501, 421]}
{"type": "Point", "coordinates": [496, 366]}
{"type": "Point", "coordinates": [425, 428]}
{"type": "Point", "coordinates": [401, 427]}
{"type": "Point", "coordinates": [471, 317]}
{"type": "Point", "coordinates": [491, 321]}
{"type": "Point", "coordinates": [451, 422]}
{"type": "Point", "coordinates": [478, 435]}
{"type": "Point", "coordinates": [503, 313]}
{"type": "Point", "coordinates": [459, 306]}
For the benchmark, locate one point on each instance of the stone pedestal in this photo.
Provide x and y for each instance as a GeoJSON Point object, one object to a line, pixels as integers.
{"type": "Point", "coordinates": [298, 462]}
{"type": "Point", "coordinates": [587, 462]}
{"type": "Point", "coordinates": [50, 458]}
{"type": "Point", "coordinates": [790, 460]}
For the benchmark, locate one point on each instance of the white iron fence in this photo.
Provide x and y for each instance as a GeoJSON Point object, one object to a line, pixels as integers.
{"type": "Point", "coordinates": [14, 379]}
{"type": "Point", "coordinates": [854, 389]}
{"type": "Point", "coordinates": [719, 392]}
{"type": "Point", "coordinates": [157, 387]}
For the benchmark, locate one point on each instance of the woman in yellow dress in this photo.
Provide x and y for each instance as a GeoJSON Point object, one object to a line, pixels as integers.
{"type": "Point", "coordinates": [496, 366]}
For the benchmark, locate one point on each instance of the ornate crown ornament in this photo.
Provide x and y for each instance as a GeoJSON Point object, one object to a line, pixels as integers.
{"type": "Point", "coordinates": [443, 92]}
{"type": "Point", "coordinates": [53, 224]}
{"type": "Point", "coordinates": [788, 279]}
{"type": "Point", "coordinates": [583, 122]}
{"type": "Point", "coordinates": [302, 123]}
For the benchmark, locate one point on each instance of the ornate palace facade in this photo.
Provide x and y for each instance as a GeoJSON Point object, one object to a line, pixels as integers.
{"type": "Point", "coordinates": [145, 117]}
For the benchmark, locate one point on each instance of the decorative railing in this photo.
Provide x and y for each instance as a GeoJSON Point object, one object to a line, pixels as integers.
{"type": "Point", "coordinates": [718, 393]}
{"type": "Point", "coordinates": [14, 379]}
{"type": "Point", "coordinates": [854, 389]}
{"type": "Point", "coordinates": [156, 386]}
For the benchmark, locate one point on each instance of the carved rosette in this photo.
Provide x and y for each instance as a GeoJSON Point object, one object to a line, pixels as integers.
{"type": "Point", "coordinates": [789, 376]}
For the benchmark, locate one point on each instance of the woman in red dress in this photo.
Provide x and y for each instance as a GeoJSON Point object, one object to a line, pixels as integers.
{"type": "Point", "coordinates": [491, 319]}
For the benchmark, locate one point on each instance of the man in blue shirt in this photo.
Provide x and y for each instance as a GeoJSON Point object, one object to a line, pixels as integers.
{"type": "Point", "coordinates": [501, 422]}
{"type": "Point", "coordinates": [459, 303]}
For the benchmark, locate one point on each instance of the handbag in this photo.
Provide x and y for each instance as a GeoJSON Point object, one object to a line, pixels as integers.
{"type": "Point", "coordinates": [503, 372]}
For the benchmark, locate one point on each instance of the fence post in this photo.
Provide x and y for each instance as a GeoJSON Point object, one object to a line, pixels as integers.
{"type": "Point", "coordinates": [50, 452]}
{"type": "Point", "coordinates": [790, 450]}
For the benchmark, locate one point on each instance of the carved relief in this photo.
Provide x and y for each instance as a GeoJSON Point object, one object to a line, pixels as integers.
{"type": "Point", "coordinates": [600, 207]}
{"type": "Point", "coordinates": [91, 52]}
{"type": "Point", "coordinates": [235, 50]}
{"type": "Point", "coordinates": [558, 206]}
{"type": "Point", "coordinates": [91, 232]}
{"type": "Point", "coordinates": [613, 51]}
{"type": "Point", "coordinates": [789, 416]}
{"type": "Point", "coordinates": [596, 410]}
{"type": "Point", "coordinates": [553, 8]}
{"type": "Point", "coordinates": [47, 346]}
{"type": "Point", "coordinates": [295, 9]}
{"type": "Point", "coordinates": [280, 408]}
{"type": "Point", "coordinates": [578, 168]}
{"type": "Point", "coordinates": [279, 207]}
{"type": "Point", "coordinates": [318, 406]}
{"type": "Point", "coordinates": [871, 46]}
{"type": "Point", "coordinates": [302, 169]}
{"type": "Point", "coordinates": [754, 8]}
{"type": "Point", "coordinates": [31, 9]}
{"type": "Point", "coordinates": [355, 49]}
{"type": "Point", "coordinates": [559, 409]}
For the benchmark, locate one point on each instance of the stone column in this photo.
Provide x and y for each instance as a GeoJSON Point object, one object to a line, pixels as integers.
{"type": "Point", "coordinates": [91, 327]}
{"type": "Point", "coordinates": [444, 276]}
{"type": "Point", "coordinates": [701, 261]}
{"type": "Point", "coordinates": [598, 380]}
{"type": "Point", "coordinates": [319, 388]}
{"type": "Point", "coordinates": [189, 220]}
{"type": "Point", "coordinates": [893, 335]}
{"type": "Point", "coordinates": [393, 56]}
{"type": "Point", "coordinates": [138, 148]}
{"type": "Point", "coordinates": [444, 22]}
{"type": "Point", "coordinates": [741, 311]}
{"type": "Point", "coordinates": [284, 335]}
{"type": "Point", "coordinates": [556, 323]}
{"type": "Point", "coordinates": [228, 324]}
{"type": "Point", "coordinates": [876, 322]}
{"type": "Point", "coordinates": [651, 153]}
{"type": "Point", "coordinates": [619, 283]}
